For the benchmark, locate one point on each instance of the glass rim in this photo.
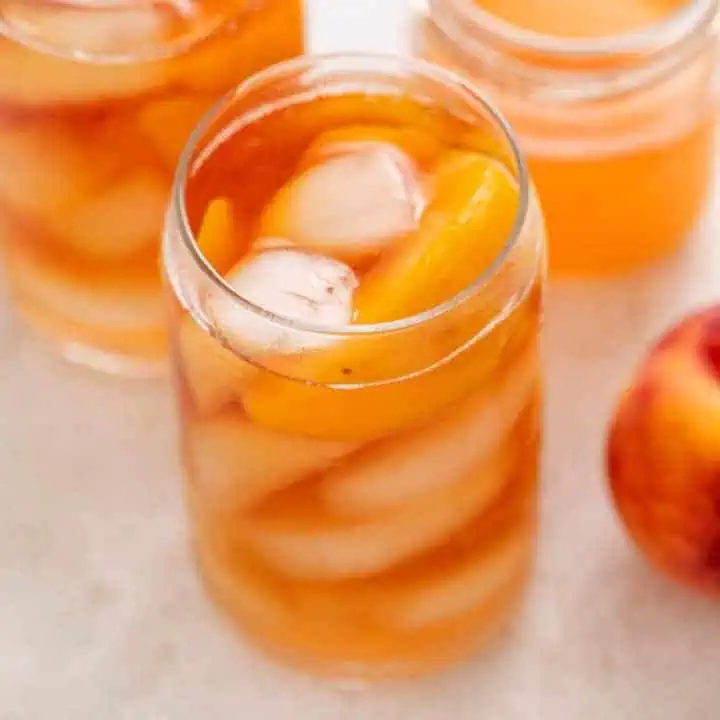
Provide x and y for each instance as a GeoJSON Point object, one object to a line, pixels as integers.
{"type": "Point", "coordinates": [164, 51]}
{"type": "Point", "coordinates": [357, 63]}
{"type": "Point", "coordinates": [679, 26]}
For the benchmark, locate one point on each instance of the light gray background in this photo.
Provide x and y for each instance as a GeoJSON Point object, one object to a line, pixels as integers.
{"type": "Point", "coordinates": [101, 617]}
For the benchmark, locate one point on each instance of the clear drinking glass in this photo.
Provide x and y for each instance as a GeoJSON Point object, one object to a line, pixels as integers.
{"type": "Point", "coordinates": [355, 263]}
{"type": "Point", "coordinates": [96, 103]}
{"type": "Point", "coordinates": [618, 127]}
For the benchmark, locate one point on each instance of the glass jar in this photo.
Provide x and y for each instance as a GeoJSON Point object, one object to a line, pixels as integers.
{"type": "Point", "coordinates": [363, 494]}
{"type": "Point", "coordinates": [96, 103]}
{"type": "Point", "coordinates": [619, 130]}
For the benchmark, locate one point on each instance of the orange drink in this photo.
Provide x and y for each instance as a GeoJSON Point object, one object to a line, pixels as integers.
{"type": "Point", "coordinates": [614, 101]}
{"type": "Point", "coordinates": [96, 103]}
{"type": "Point", "coordinates": [355, 266]}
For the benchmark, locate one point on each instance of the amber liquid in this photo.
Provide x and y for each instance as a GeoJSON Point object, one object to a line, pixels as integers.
{"type": "Point", "coordinates": [621, 189]}
{"type": "Point", "coordinates": [363, 531]}
{"type": "Point", "coordinates": [89, 150]}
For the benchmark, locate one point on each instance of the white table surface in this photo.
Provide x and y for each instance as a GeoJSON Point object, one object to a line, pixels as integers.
{"type": "Point", "coordinates": [101, 615]}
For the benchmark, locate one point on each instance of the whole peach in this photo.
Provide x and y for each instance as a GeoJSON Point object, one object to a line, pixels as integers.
{"type": "Point", "coordinates": [663, 453]}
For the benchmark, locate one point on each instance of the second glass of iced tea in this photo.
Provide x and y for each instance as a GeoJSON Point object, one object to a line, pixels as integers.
{"type": "Point", "coordinates": [355, 263]}
{"type": "Point", "coordinates": [97, 100]}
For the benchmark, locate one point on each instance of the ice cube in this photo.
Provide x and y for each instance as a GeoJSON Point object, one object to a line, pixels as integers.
{"type": "Point", "coordinates": [215, 376]}
{"type": "Point", "coordinates": [491, 573]}
{"type": "Point", "coordinates": [313, 543]}
{"type": "Point", "coordinates": [117, 222]}
{"type": "Point", "coordinates": [95, 28]}
{"type": "Point", "coordinates": [290, 284]}
{"type": "Point", "coordinates": [44, 167]}
{"type": "Point", "coordinates": [350, 206]}
{"type": "Point", "coordinates": [238, 464]}
{"type": "Point", "coordinates": [110, 303]}
{"type": "Point", "coordinates": [401, 469]}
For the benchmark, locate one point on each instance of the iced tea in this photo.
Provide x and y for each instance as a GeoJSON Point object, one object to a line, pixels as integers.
{"type": "Point", "coordinates": [615, 104]}
{"type": "Point", "coordinates": [96, 103]}
{"type": "Point", "coordinates": [355, 266]}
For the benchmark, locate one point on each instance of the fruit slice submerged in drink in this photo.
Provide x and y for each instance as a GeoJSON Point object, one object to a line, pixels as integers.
{"type": "Point", "coordinates": [475, 198]}
{"type": "Point", "coordinates": [392, 472]}
{"type": "Point", "coordinates": [221, 239]}
{"type": "Point", "coordinates": [305, 540]}
{"type": "Point", "coordinates": [214, 374]}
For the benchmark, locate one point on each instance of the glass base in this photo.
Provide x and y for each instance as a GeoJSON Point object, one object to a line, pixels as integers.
{"type": "Point", "coordinates": [102, 360]}
{"type": "Point", "coordinates": [358, 675]}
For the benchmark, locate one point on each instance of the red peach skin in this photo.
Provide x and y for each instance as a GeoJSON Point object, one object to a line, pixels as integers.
{"type": "Point", "coordinates": [663, 453]}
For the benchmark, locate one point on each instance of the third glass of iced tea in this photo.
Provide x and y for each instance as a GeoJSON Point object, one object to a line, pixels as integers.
{"type": "Point", "coordinates": [355, 265]}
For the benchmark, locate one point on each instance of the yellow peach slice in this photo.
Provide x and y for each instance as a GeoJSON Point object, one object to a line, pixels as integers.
{"type": "Point", "coordinates": [351, 206]}
{"type": "Point", "coordinates": [220, 239]}
{"type": "Point", "coordinates": [461, 232]}
{"type": "Point", "coordinates": [312, 543]}
{"type": "Point", "coordinates": [419, 462]}
{"type": "Point", "coordinates": [234, 464]}
{"type": "Point", "coordinates": [464, 229]}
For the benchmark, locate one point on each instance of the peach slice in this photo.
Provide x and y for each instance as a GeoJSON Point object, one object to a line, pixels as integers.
{"type": "Point", "coordinates": [302, 539]}
{"type": "Point", "coordinates": [215, 375]}
{"type": "Point", "coordinates": [220, 239]}
{"type": "Point", "coordinates": [235, 464]}
{"type": "Point", "coordinates": [117, 222]}
{"type": "Point", "coordinates": [167, 124]}
{"type": "Point", "coordinates": [423, 147]}
{"type": "Point", "coordinates": [465, 227]}
{"type": "Point", "coordinates": [350, 206]}
{"type": "Point", "coordinates": [461, 232]}
{"type": "Point", "coordinates": [420, 462]}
